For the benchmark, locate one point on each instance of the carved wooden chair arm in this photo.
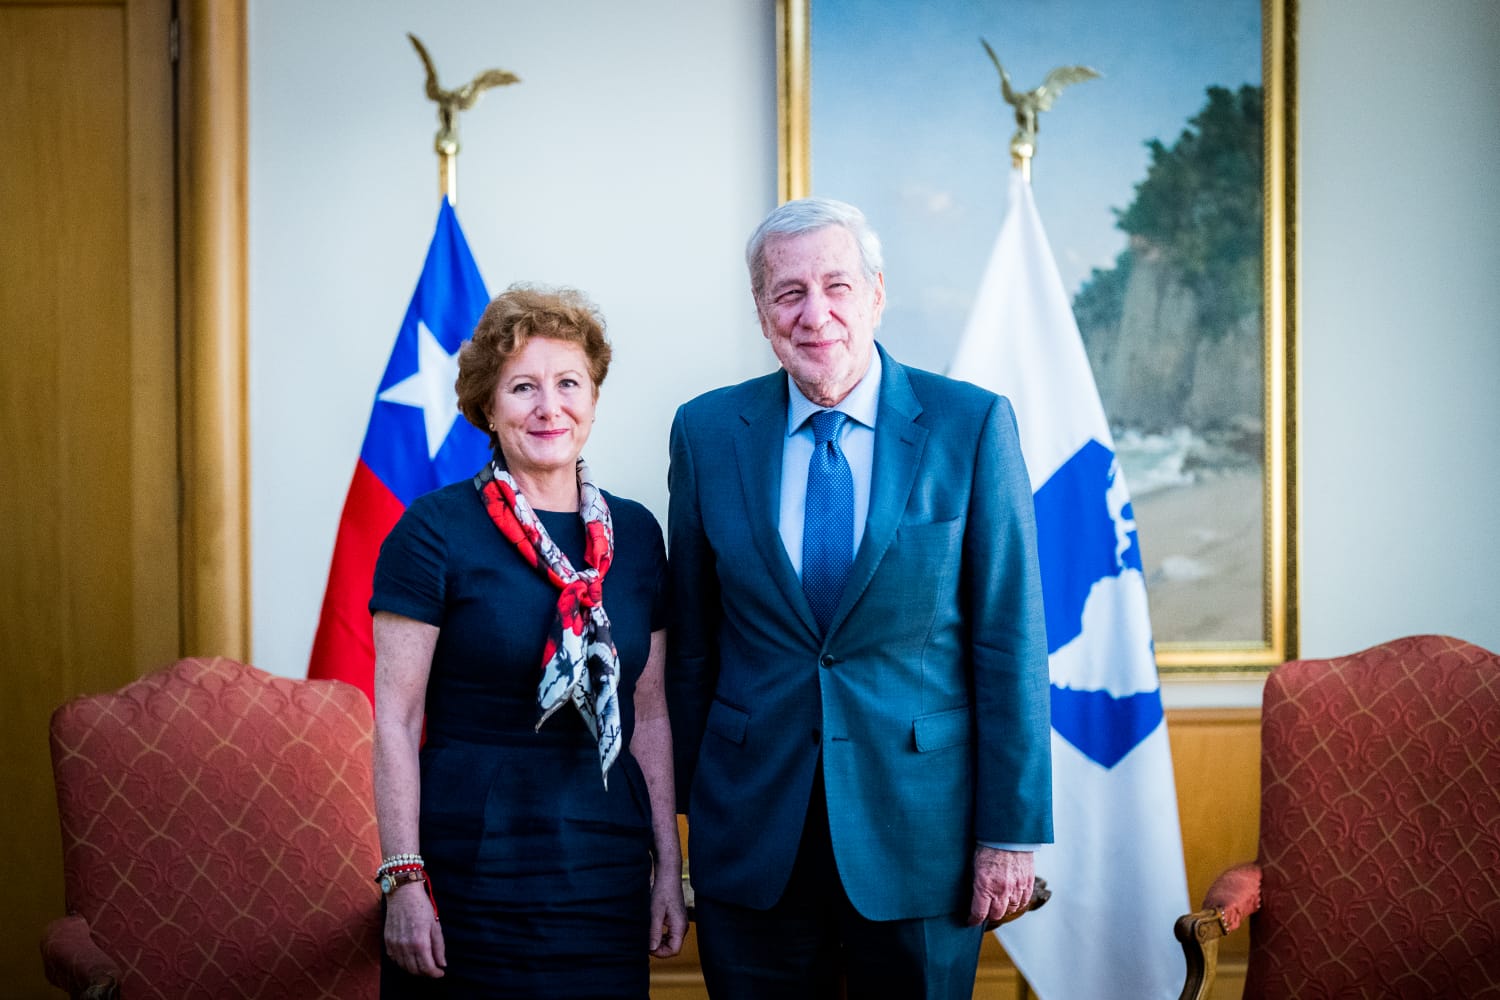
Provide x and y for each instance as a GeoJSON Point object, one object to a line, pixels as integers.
{"type": "Point", "coordinates": [74, 963]}
{"type": "Point", "coordinates": [1233, 896]}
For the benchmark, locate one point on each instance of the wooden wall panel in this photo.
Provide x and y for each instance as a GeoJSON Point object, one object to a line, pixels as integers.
{"type": "Point", "coordinates": [1216, 761]}
{"type": "Point", "coordinates": [88, 457]}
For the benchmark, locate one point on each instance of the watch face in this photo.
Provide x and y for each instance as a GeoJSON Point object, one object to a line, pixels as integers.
{"type": "Point", "coordinates": [387, 884]}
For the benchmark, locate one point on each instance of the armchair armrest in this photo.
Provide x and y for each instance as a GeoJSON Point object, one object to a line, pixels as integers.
{"type": "Point", "coordinates": [1233, 896]}
{"type": "Point", "coordinates": [73, 962]}
{"type": "Point", "coordinates": [1236, 894]}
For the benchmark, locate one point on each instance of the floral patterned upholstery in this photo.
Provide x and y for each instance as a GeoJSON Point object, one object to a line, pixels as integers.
{"type": "Point", "coordinates": [218, 838]}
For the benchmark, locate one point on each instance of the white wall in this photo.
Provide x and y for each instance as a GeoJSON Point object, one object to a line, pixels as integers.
{"type": "Point", "coordinates": [632, 161]}
{"type": "Point", "coordinates": [1400, 321]}
{"type": "Point", "coordinates": [639, 152]}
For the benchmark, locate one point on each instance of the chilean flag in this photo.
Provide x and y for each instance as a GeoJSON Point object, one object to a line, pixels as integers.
{"type": "Point", "coordinates": [416, 441]}
{"type": "Point", "coordinates": [1116, 867]}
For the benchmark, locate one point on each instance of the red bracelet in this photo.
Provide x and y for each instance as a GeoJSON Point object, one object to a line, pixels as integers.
{"type": "Point", "coordinates": [394, 878]}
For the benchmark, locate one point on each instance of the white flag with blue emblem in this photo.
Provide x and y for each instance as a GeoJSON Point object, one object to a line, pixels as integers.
{"type": "Point", "coordinates": [1116, 869]}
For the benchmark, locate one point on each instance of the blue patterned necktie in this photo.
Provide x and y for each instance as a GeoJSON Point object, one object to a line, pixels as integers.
{"type": "Point", "coordinates": [828, 519]}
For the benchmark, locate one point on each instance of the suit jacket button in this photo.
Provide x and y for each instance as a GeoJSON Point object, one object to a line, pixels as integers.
{"type": "Point", "coordinates": [827, 660]}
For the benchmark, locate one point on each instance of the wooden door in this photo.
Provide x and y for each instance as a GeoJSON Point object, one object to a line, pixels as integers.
{"type": "Point", "coordinates": [89, 537]}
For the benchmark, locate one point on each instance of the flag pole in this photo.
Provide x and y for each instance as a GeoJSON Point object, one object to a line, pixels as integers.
{"type": "Point", "coordinates": [1020, 156]}
{"type": "Point", "coordinates": [448, 171]}
{"type": "Point", "coordinates": [1030, 104]}
{"type": "Point", "coordinates": [450, 103]}
{"type": "Point", "coordinates": [1118, 842]}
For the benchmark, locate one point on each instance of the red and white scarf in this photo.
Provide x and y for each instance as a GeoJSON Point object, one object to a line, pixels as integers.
{"type": "Point", "coordinates": [579, 663]}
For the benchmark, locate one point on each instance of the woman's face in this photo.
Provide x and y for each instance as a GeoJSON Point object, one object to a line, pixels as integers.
{"type": "Point", "coordinates": [543, 407]}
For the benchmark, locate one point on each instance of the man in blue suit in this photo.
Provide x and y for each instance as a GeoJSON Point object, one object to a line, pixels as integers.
{"type": "Point", "coordinates": [858, 663]}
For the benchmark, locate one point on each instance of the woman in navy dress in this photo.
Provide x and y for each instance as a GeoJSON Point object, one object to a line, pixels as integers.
{"type": "Point", "coordinates": [519, 618]}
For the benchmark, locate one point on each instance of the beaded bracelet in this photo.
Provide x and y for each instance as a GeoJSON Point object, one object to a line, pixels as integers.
{"type": "Point", "coordinates": [395, 860]}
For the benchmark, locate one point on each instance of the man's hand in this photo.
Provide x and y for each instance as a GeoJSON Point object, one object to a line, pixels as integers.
{"type": "Point", "coordinates": [1002, 884]}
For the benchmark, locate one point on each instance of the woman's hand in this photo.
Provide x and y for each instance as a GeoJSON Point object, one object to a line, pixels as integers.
{"type": "Point", "coordinates": [403, 659]}
{"type": "Point", "coordinates": [412, 933]}
{"type": "Point", "coordinates": [652, 748]}
{"type": "Point", "coordinates": [668, 914]}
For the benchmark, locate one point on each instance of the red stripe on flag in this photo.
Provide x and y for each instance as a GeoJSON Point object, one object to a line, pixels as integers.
{"type": "Point", "coordinates": [344, 648]}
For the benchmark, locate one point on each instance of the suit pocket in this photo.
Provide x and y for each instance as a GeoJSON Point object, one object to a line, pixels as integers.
{"type": "Point", "coordinates": [943, 729]}
{"type": "Point", "coordinates": [928, 535]}
{"type": "Point", "coordinates": [727, 721]}
{"type": "Point", "coordinates": [929, 553]}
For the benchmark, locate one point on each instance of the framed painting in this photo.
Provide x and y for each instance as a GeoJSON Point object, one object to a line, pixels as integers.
{"type": "Point", "coordinates": [1167, 188]}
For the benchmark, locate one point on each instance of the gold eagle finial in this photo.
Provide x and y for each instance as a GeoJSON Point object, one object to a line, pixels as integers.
{"type": "Point", "coordinates": [1030, 103]}
{"type": "Point", "coordinates": [450, 102]}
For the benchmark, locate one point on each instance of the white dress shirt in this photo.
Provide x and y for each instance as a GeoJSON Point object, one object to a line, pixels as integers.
{"type": "Point", "coordinates": [856, 441]}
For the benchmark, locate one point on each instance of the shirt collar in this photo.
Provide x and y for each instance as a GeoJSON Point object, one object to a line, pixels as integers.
{"type": "Point", "coordinates": [860, 405]}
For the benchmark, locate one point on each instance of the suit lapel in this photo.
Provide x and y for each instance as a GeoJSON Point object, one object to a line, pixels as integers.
{"type": "Point", "coordinates": [899, 442]}
{"type": "Point", "coordinates": [758, 447]}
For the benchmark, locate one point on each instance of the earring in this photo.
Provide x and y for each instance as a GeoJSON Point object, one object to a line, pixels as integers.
{"type": "Point", "coordinates": [492, 426]}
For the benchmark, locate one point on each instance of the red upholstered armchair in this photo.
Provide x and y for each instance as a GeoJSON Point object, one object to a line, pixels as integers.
{"type": "Point", "coordinates": [1379, 868]}
{"type": "Point", "coordinates": [218, 838]}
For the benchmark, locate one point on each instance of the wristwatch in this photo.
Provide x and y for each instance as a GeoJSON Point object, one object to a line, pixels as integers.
{"type": "Point", "coordinates": [391, 881]}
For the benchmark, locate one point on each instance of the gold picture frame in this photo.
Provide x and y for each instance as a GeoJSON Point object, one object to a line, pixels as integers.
{"type": "Point", "coordinates": [1201, 656]}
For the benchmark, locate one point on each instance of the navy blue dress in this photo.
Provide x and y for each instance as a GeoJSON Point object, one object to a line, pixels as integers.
{"type": "Point", "coordinates": [541, 874]}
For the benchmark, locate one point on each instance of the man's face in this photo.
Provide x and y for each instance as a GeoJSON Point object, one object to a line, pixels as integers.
{"type": "Point", "coordinates": [819, 311]}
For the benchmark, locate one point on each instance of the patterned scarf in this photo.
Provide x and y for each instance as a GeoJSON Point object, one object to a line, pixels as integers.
{"type": "Point", "coordinates": [579, 664]}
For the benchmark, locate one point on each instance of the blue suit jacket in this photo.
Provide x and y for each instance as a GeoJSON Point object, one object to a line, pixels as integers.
{"type": "Point", "coordinates": [928, 696]}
